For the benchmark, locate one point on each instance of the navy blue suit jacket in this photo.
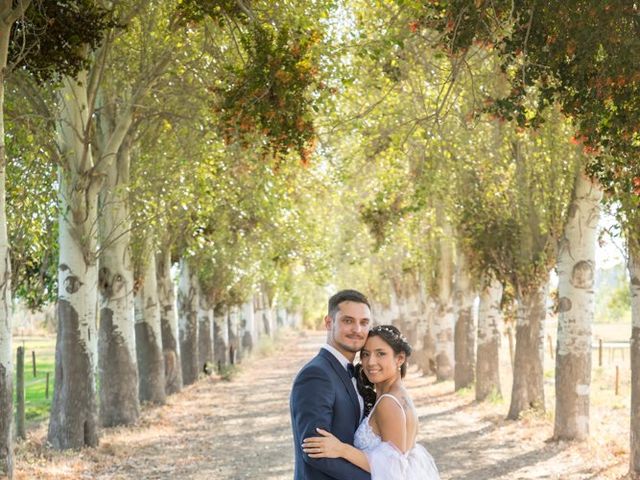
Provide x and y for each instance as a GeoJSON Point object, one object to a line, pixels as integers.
{"type": "Point", "coordinates": [323, 396]}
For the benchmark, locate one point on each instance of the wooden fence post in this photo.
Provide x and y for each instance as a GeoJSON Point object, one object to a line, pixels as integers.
{"type": "Point", "coordinates": [33, 361]}
{"type": "Point", "coordinates": [600, 352]}
{"type": "Point", "coordinates": [20, 415]}
{"type": "Point", "coordinates": [46, 388]}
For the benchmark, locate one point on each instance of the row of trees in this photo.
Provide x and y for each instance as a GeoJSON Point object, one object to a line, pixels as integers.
{"type": "Point", "coordinates": [493, 132]}
{"type": "Point", "coordinates": [150, 137]}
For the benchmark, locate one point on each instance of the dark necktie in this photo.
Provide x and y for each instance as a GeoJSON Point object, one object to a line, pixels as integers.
{"type": "Point", "coordinates": [351, 369]}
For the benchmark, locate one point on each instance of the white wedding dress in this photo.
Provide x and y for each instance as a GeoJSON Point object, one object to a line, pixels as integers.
{"type": "Point", "coordinates": [387, 462]}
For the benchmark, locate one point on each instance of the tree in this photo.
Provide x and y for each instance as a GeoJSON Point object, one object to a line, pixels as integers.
{"type": "Point", "coordinates": [58, 37]}
{"type": "Point", "coordinates": [487, 356]}
{"type": "Point", "coordinates": [9, 13]}
{"type": "Point", "coordinates": [576, 273]}
{"type": "Point", "coordinates": [582, 56]}
{"type": "Point", "coordinates": [120, 95]}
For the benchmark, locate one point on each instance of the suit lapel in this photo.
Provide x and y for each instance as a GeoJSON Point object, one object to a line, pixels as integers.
{"type": "Point", "coordinates": [346, 380]}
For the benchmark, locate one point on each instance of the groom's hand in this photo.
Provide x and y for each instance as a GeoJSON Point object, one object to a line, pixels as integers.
{"type": "Point", "coordinates": [325, 446]}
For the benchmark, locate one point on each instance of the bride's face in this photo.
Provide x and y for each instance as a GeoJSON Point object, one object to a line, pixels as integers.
{"type": "Point", "coordinates": [379, 361]}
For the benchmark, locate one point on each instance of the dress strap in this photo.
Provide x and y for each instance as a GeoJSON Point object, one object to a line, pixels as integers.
{"type": "Point", "coordinates": [394, 399]}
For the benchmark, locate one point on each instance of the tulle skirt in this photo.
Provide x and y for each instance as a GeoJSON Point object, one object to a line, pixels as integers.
{"type": "Point", "coordinates": [389, 463]}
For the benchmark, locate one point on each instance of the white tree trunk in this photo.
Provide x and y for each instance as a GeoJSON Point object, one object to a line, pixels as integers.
{"type": "Point", "coordinates": [205, 338]}
{"type": "Point", "coordinates": [220, 336]}
{"type": "Point", "coordinates": [265, 318]}
{"type": "Point", "coordinates": [444, 321]}
{"type": "Point", "coordinates": [188, 322]}
{"type": "Point", "coordinates": [233, 324]}
{"type": "Point", "coordinates": [383, 314]}
{"type": "Point", "coordinates": [282, 319]}
{"type": "Point", "coordinates": [576, 274]}
{"type": "Point", "coordinates": [9, 16]}
{"type": "Point", "coordinates": [489, 326]}
{"type": "Point", "coordinates": [250, 337]}
{"type": "Point", "coordinates": [73, 421]}
{"type": "Point", "coordinates": [6, 365]}
{"type": "Point", "coordinates": [149, 333]}
{"type": "Point", "coordinates": [528, 373]}
{"type": "Point", "coordinates": [169, 323]}
{"type": "Point", "coordinates": [464, 336]}
{"type": "Point", "coordinates": [116, 347]}
{"type": "Point", "coordinates": [634, 274]}
{"type": "Point", "coordinates": [410, 315]}
{"type": "Point", "coordinates": [425, 357]}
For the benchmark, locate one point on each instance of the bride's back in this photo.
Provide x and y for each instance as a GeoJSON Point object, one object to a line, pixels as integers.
{"type": "Point", "coordinates": [399, 401]}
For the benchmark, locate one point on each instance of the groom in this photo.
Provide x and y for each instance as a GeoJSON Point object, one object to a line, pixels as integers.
{"type": "Point", "coordinates": [324, 393]}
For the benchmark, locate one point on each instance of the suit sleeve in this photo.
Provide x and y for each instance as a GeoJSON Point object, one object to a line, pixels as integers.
{"type": "Point", "coordinates": [312, 400]}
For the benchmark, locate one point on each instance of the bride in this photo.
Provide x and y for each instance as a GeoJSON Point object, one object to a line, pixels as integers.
{"type": "Point", "coordinates": [385, 442]}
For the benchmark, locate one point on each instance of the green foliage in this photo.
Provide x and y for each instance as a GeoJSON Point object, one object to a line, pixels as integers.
{"type": "Point", "coordinates": [53, 37]}
{"type": "Point", "coordinates": [269, 95]}
{"type": "Point", "coordinates": [218, 10]}
{"type": "Point", "coordinates": [613, 296]}
{"type": "Point", "coordinates": [583, 54]}
{"type": "Point", "coordinates": [31, 205]}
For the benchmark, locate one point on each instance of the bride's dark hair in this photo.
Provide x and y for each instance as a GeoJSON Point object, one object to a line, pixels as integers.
{"type": "Point", "coordinates": [398, 343]}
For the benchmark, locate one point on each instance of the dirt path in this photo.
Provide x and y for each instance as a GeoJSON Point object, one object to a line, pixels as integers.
{"type": "Point", "coordinates": [241, 430]}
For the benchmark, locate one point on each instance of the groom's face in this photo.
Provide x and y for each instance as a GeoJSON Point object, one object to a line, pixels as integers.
{"type": "Point", "coordinates": [348, 331]}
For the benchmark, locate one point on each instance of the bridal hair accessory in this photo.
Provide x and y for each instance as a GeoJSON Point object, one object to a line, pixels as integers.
{"type": "Point", "coordinates": [395, 335]}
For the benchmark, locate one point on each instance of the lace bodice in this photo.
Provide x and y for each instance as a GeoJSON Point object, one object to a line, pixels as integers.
{"type": "Point", "coordinates": [365, 438]}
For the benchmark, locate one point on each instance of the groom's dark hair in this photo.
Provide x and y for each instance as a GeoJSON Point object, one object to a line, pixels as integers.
{"type": "Point", "coordinates": [345, 296]}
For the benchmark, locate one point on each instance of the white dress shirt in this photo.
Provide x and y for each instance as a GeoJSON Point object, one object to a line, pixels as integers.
{"type": "Point", "coordinates": [344, 362]}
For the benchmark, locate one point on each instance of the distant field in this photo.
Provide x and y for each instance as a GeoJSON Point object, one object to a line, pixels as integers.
{"type": "Point", "coordinates": [609, 332]}
{"type": "Point", "coordinates": [36, 404]}
{"type": "Point", "coordinates": [612, 331]}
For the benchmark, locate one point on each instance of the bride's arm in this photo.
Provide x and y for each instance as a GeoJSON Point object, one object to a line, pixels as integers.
{"type": "Point", "coordinates": [328, 446]}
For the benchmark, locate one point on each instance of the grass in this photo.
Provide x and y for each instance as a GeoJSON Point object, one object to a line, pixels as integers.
{"type": "Point", "coordinates": [37, 406]}
{"type": "Point", "coordinates": [228, 372]}
{"type": "Point", "coordinates": [495, 398]}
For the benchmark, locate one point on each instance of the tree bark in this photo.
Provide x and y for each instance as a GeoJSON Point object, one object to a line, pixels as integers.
{"type": "Point", "coordinates": [249, 338]}
{"type": "Point", "coordinates": [264, 314]}
{"type": "Point", "coordinates": [634, 274]}
{"type": "Point", "coordinates": [73, 420]}
{"type": "Point", "coordinates": [488, 358]}
{"type": "Point", "coordinates": [444, 320]}
{"type": "Point", "coordinates": [220, 336]}
{"type": "Point", "coordinates": [464, 338]}
{"type": "Point", "coordinates": [188, 322]}
{"type": "Point", "coordinates": [205, 335]}
{"type": "Point", "coordinates": [426, 355]}
{"type": "Point", "coordinates": [116, 345]}
{"type": "Point", "coordinates": [233, 326]}
{"type": "Point", "coordinates": [410, 313]}
{"type": "Point", "coordinates": [6, 365]}
{"type": "Point", "coordinates": [149, 334]}
{"type": "Point", "coordinates": [528, 374]}
{"type": "Point", "coordinates": [169, 323]}
{"type": "Point", "coordinates": [576, 274]}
